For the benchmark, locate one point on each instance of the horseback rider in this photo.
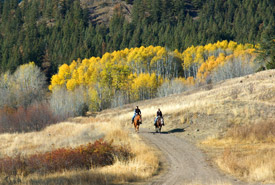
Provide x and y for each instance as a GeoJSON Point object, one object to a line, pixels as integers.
{"type": "Point", "coordinates": [159, 114]}
{"type": "Point", "coordinates": [136, 112]}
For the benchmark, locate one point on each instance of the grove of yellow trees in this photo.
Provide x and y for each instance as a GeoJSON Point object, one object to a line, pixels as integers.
{"type": "Point", "coordinates": [135, 74]}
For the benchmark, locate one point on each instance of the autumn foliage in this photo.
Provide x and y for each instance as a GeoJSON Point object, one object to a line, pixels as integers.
{"type": "Point", "coordinates": [135, 74]}
{"type": "Point", "coordinates": [97, 154]}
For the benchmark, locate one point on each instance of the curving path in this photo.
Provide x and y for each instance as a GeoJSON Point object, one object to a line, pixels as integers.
{"type": "Point", "coordinates": [186, 163]}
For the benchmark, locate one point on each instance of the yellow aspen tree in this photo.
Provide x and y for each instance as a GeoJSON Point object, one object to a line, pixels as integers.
{"type": "Point", "coordinates": [71, 84]}
{"type": "Point", "coordinates": [232, 45]}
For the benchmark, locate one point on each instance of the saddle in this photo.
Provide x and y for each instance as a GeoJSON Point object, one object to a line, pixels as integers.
{"type": "Point", "coordinates": [161, 120]}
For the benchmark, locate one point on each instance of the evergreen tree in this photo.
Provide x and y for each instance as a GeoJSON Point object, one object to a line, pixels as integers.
{"type": "Point", "coordinates": [56, 31]}
{"type": "Point", "coordinates": [267, 48]}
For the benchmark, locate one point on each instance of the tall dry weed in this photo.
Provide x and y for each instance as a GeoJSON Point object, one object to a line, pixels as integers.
{"type": "Point", "coordinates": [249, 152]}
{"type": "Point", "coordinates": [260, 131]}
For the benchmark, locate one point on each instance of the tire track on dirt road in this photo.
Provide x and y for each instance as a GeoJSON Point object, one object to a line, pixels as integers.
{"type": "Point", "coordinates": [186, 163]}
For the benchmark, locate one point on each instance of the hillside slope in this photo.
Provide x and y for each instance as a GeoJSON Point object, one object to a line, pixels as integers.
{"type": "Point", "coordinates": [102, 11]}
{"type": "Point", "coordinates": [197, 115]}
{"type": "Point", "coordinates": [209, 110]}
{"type": "Point", "coordinates": [233, 122]}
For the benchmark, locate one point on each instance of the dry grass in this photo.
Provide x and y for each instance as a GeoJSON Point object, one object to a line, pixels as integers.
{"type": "Point", "coordinates": [213, 183]}
{"type": "Point", "coordinates": [249, 151]}
{"type": "Point", "coordinates": [229, 104]}
{"type": "Point", "coordinates": [209, 111]}
{"type": "Point", "coordinates": [260, 132]}
{"type": "Point", "coordinates": [143, 165]}
{"type": "Point", "coordinates": [212, 112]}
{"type": "Point", "coordinates": [64, 134]}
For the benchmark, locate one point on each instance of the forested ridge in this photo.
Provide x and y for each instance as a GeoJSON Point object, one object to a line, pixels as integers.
{"type": "Point", "coordinates": [53, 32]}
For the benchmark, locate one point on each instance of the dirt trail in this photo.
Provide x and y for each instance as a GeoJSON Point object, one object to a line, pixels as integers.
{"type": "Point", "coordinates": [186, 163]}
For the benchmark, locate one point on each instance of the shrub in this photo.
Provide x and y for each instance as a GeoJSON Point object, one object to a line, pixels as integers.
{"type": "Point", "coordinates": [35, 117]}
{"type": "Point", "coordinates": [97, 154]}
{"type": "Point", "coordinates": [21, 96]}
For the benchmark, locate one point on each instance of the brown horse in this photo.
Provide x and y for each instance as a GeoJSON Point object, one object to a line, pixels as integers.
{"type": "Point", "coordinates": [137, 122]}
{"type": "Point", "coordinates": [159, 124]}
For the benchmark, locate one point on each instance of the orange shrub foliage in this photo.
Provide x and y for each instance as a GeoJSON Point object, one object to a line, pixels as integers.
{"type": "Point", "coordinates": [99, 153]}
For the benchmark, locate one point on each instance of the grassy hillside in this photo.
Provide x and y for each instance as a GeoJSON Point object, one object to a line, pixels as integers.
{"type": "Point", "coordinates": [233, 121]}
{"type": "Point", "coordinates": [211, 109]}
{"type": "Point", "coordinates": [223, 119]}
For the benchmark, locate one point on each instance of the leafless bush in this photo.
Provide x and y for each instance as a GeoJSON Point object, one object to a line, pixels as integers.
{"type": "Point", "coordinates": [172, 87]}
{"type": "Point", "coordinates": [235, 68]}
{"type": "Point", "coordinates": [24, 87]}
{"type": "Point", "coordinates": [66, 103]}
{"type": "Point", "coordinates": [21, 100]}
{"type": "Point", "coordinates": [21, 119]}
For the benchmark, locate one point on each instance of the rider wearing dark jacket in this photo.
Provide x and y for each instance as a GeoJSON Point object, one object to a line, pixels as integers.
{"type": "Point", "coordinates": [136, 111]}
{"type": "Point", "coordinates": [159, 114]}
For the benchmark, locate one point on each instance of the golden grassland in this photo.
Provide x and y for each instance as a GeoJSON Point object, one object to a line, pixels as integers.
{"type": "Point", "coordinates": [213, 110]}
{"type": "Point", "coordinates": [209, 115]}
{"type": "Point", "coordinates": [247, 151]}
{"type": "Point", "coordinates": [66, 134]}
{"type": "Point", "coordinates": [143, 165]}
